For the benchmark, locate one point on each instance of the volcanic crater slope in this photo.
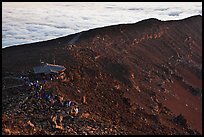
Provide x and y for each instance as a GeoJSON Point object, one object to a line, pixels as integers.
{"type": "Point", "coordinates": [141, 78]}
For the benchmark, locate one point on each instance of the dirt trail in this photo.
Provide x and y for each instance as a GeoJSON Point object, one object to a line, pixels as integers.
{"type": "Point", "coordinates": [73, 41]}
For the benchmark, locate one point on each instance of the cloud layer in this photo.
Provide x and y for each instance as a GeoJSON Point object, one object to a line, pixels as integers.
{"type": "Point", "coordinates": [31, 22]}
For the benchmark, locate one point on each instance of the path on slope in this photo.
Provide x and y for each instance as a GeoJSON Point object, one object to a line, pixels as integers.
{"type": "Point", "coordinates": [75, 39]}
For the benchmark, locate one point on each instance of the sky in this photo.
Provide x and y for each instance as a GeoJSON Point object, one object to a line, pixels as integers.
{"type": "Point", "coordinates": [28, 22]}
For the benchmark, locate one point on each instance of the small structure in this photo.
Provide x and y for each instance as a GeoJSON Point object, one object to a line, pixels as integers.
{"type": "Point", "coordinates": [50, 69]}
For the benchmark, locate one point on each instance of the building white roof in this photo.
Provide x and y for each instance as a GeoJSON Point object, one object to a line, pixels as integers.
{"type": "Point", "coordinates": [48, 68]}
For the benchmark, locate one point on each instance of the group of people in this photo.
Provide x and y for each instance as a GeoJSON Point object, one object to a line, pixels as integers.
{"type": "Point", "coordinates": [39, 91]}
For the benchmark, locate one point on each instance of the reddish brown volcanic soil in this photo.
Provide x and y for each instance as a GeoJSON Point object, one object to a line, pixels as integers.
{"type": "Point", "coordinates": [138, 77]}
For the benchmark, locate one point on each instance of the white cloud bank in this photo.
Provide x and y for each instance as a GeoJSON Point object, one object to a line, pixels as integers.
{"type": "Point", "coordinates": [32, 22]}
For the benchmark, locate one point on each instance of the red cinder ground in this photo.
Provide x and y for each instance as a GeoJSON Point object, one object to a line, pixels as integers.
{"type": "Point", "coordinates": [136, 78]}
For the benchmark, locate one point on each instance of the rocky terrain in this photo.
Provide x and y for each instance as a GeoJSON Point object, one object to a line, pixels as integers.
{"type": "Point", "coordinates": [139, 79]}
